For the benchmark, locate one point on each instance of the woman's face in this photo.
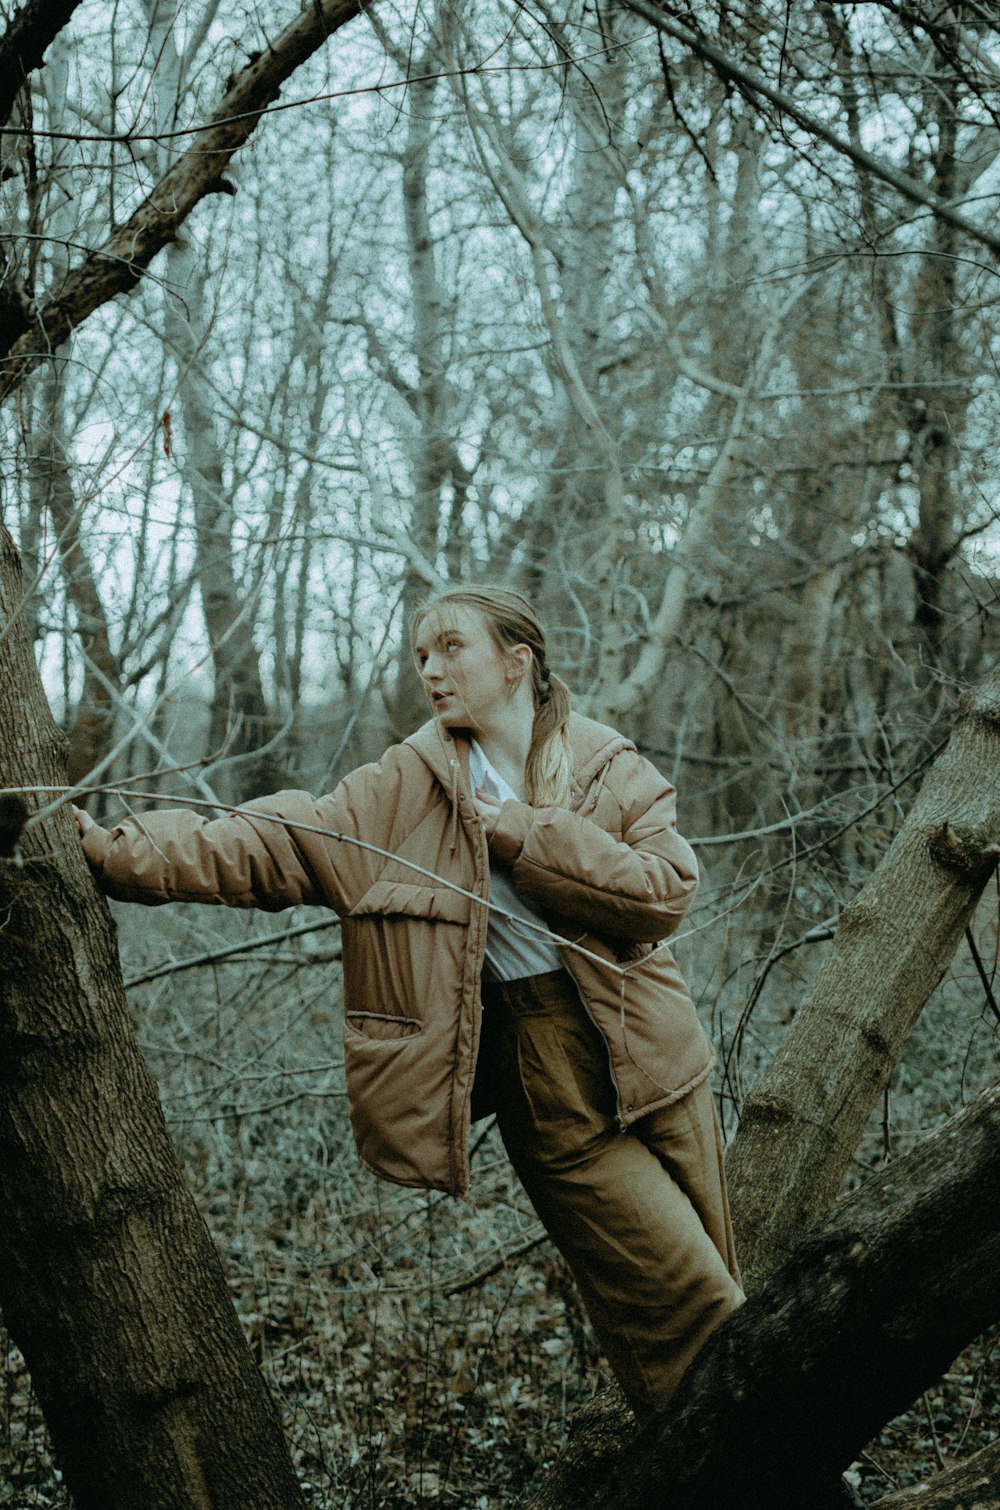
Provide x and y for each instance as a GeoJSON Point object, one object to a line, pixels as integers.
{"type": "Point", "coordinates": [468, 679]}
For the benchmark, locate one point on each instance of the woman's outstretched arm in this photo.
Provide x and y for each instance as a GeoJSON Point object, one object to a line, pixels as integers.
{"type": "Point", "coordinates": [280, 851]}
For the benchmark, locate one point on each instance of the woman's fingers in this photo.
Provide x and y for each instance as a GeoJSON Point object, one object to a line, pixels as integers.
{"type": "Point", "coordinates": [486, 806]}
{"type": "Point", "coordinates": [83, 819]}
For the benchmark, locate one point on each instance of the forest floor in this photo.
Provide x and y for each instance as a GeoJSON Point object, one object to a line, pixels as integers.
{"type": "Point", "coordinates": [415, 1398]}
{"type": "Point", "coordinates": [423, 1351]}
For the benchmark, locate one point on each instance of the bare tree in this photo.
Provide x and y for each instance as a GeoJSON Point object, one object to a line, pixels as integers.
{"type": "Point", "coordinates": [110, 1283]}
{"type": "Point", "coordinates": [118, 265]}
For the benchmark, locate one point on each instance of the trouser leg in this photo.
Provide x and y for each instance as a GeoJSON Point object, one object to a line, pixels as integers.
{"type": "Point", "coordinates": [640, 1216]}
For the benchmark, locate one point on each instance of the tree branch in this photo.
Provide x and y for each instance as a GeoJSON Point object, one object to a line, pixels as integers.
{"type": "Point", "coordinates": [33, 29]}
{"type": "Point", "coordinates": [754, 84]}
{"type": "Point", "coordinates": [210, 956]}
{"type": "Point", "coordinates": [119, 264]}
{"type": "Point", "coordinates": [972, 1484]}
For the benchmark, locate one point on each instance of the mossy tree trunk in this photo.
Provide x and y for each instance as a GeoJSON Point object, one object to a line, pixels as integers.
{"type": "Point", "coordinates": [802, 1123]}
{"type": "Point", "coordinates": [109, 1282]}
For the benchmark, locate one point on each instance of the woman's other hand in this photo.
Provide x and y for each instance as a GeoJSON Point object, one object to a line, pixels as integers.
{"type": "Point", "coordinates": [83, 820]}
{"type": "Point", "coordinates": [488, 808]}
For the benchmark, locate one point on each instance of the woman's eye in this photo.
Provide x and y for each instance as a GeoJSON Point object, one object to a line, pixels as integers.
{"type": "Point", "coordinates": [451, 645]}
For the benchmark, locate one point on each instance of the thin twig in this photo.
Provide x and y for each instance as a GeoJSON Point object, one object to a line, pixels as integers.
{"type": "Point", "coordinates": [211, 956]}
{"type": "Point", "coordinates": [991, 1000]}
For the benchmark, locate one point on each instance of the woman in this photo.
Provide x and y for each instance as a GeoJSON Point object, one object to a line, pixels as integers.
{"type": "Point", "coordinates": [504, 877]}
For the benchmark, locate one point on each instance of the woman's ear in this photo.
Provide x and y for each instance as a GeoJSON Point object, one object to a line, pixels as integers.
{"type": "Point", "coordinates": [519, 658]}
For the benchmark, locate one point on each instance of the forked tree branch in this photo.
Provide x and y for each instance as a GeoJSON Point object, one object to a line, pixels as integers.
{"type": "Point", "coordinates": [118, 265]}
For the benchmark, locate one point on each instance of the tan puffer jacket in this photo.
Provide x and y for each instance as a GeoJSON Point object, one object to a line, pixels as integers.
{"type": "Point", "coordinates": [611, 875]}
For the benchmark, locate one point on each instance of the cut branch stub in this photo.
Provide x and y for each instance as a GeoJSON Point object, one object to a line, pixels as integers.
{"type": "Point", "coordinates": [972, 852]}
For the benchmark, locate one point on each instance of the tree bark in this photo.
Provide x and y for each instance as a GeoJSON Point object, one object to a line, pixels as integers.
{"type": "Point", "coordinates": [973, 1484]}
{"type": "Point", "coordinates": [109, 1282]}
{"type": "Point", "coordinates": [801, 1125]}
{"type": "Point", "coordinates": [869, 1310]}
{"type": "Point", "coordinates": [119, 264]}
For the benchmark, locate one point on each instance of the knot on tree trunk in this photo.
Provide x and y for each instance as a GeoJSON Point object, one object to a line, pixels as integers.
{"type": "Point", "coordinates": [970, 851]}
{"type": "Point", "coordinates": [13, 817]}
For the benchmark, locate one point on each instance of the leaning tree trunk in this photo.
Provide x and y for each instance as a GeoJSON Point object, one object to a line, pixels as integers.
{"type": "Point", "coordinates": [109, 1282]}
{"type": "Point", "coordinates": [868, 1311]}
{"type": "Point", "coordinates": [973, 1484]}
{"type": "Point", "coordinates": [801, 1125]}
{"type": "Point", "coordinates": [803, 1122]}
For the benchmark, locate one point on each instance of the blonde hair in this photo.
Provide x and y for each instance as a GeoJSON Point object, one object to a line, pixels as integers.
{"type": "Point", "coordinates": [511, 620]}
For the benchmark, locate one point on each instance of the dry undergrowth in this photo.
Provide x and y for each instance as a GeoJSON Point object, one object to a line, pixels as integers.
{"type": "Point", "coordinates": [423, 1351]}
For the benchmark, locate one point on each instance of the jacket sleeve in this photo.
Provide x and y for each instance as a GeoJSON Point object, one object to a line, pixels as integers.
{"type": "Point", "coordinates": [280, 851]}
{"type": "Point", "coordinates": [245, 859]}
{"type": "Point", "coordinates": [637, 887]}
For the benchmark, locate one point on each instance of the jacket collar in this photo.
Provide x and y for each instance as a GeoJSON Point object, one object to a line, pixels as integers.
{"type": "Point", "coordinates": [593, 744]}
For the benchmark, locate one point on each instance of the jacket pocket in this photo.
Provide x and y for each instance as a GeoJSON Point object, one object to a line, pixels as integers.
{"type": "Point", "coordinates": [382, 1025]}
{"type": "Point", "coordinates": [404, 947]}
{"type": "Point", "coordinates": [435, 904]}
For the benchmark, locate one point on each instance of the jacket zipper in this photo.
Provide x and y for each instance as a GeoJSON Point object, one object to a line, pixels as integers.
{"type": "Point", "coordinates": [619, 1116]}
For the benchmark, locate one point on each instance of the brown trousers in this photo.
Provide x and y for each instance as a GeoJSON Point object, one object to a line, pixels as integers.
{"type": "Point", "coordinates": [640, 1216]}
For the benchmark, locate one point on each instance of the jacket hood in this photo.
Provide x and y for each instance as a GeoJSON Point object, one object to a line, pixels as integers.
{"type": "Point", "coordinates": [593, 744]}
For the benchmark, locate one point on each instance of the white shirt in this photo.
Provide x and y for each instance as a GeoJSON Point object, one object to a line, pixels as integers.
{"type": "Point", "coordinates": [512, 952]}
